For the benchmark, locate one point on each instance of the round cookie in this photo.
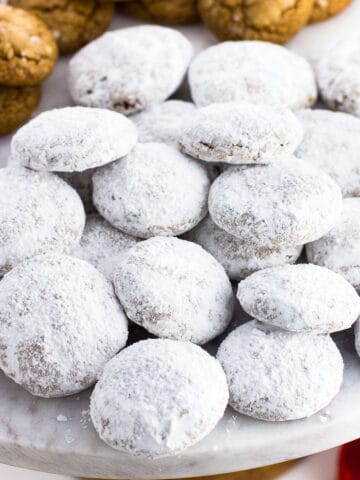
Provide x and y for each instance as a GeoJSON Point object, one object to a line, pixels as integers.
{"type": "Point", "coordinates": [332, 143]}
{"type": "Point", "coordinates": [324, 9]}
{"type": "Point", "coordinates": [274, 21]}
{"type": "Point", "coordinates": [300, 298]}
{"type": "Point", "coordinates": [268, 206]}
{"type": "Point", "coordinates": [158, 397]}
{"type": "Point", "coordinates": [73, 139]}
{"type": "Point", "coordinates": [339, 250]}
{"type": "Point", "coordinates": [130, 69]}
{"type": "Point", "coordinates": [40, 213]}
{"type": "Point", "coordinates": [82, 183]}
{"type": "Point", "coordinates": [103, 245]}
{"type": "Point", "coordinates": [162, 11]}
{"type": "Point", "coordinates": [275, 375]}
{"type": "Point", "coordinates": [28, 51]}
{"type": "Point", "coordinates": [174, 289]}
{"type": "Point", "coordinates": [241, 133]}
{"type": "Point", "coordinates": [163, 122]}
{"type": "Point", "coordinates": [338, 75]}
{"type": "Point", "coordinates": [239, 259]}
{"type": "Point", "coordinates": [155, 190]}
{"type": "Point", "coordinates": [252, 71]}
{"type": "Point", "coordinates": [73, 23]}
{"type": "Point", "coordinates": [60, 323]}
{"type": "Point", "coordinates": [16, 106]}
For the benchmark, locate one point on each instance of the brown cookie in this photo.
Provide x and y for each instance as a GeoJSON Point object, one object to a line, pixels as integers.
{"type": "Point", "coordinates": [16, 106]}
{"type": "Point", "coordinates": [28, 50]}
{"type": "Point", "coordinates": [324, 9]}
{"type": "Point", "coordinates": [163, 11]}
{"type": "Point", "coordinates": [269, 20]}
{"type": "Point", "coordinates": [73, 23]}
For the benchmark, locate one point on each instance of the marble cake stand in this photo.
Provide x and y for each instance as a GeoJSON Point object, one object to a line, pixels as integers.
{"type": "Point", "coordinates": [57, 436]}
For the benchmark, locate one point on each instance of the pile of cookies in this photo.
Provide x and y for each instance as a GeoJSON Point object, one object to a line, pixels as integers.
{"type": "Point", "coordinates": [183, 198]}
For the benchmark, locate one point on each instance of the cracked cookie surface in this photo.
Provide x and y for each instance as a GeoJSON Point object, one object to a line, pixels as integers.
{"type": "Point", "coordinates": [271, 20]}
{"type": "Point", "coordinates": [28, 50]}
{"type": "Point", "coordinates": [324, 9]}
{"type": "Point", "coordinates": [163, 11]}
{"type": "Point", "coordinates": [72, 22]}
{"type": "Point", "coordinates": [16, 105]}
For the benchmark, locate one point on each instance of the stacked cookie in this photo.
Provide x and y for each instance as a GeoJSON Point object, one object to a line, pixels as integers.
{"type": "Point", "coordinates": [28, 55]}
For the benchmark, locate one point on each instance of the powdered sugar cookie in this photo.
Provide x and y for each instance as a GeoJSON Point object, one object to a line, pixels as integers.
{"type": "Point", "coordinates": [267, 206]}
{"type": "Point", "coordinates": [174, 289]}
{"type": "Point", "coordinates": [73, 139]}
{"type": "Point", "coordinates": [338, 74]}
{"type": "Point", "coordinates": [332, 143]}
{"type": "Point", "coordinates": [163, 122]}
{"type": "Point", "coordinates": [300, 298]}
{"type": "Point", "coordinates": [238, 258]}
{"type": "Point", "coordinates": [276, 375]}
{"type": "Point", "coordinates": [39, 213]}
{"type": "Point", "coordinates": [60, 322]}
{"type": "Point", "coordinates": [103, 245]}
{"type": "Point", "coordinates": [158, 397]}
{"type": "Point", "coordinates": [241, 133]}
{"type": "Point", "coordinates": [130, 69]}
{"type": "Point", "coordinates": [339, 249]}
{"type": "Point", "coordinates": [252, 71]}
{"type": "Point", "coordinates": [155, 190]}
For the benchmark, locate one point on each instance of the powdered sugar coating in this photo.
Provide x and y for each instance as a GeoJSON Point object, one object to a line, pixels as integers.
{"type": "Point", "coordinates": [39, 213]}
{"type": "Point", "coordinates": [73, 139]}
{"type": "Point", "coordinates": [276, 375]}
{"type": "Point", "coordinates": [163, 122]}
{"type": "Point", "coordinates": [338, 74]}
{"type": "Point", "coordinates": [238, 258]}
{"type": "Point", "coordinates": [158, 397]}
{"type": "Point", "coordinates": [130, 69]}
{"type": "Point", "coordinates": [339, 249]}
{"type": "Point", "coordinates": [60, 322]}
{"type": "Point", "coordinates": [300, 298]}
{"type": "Point", "coordinates": [267, 206]}
{"type": "Point", "coordinates": [252, 71]}
{"type": "Point", "coordinates": [241, 133]}
{"type": "Point", "coordinates": [332, 143]}
{"type": "Point", "coordinates": [174, 289]}
{"type": "Point", "coordinates": [102, 245]}
{"type": "Point", "coordinates": [155, 190]}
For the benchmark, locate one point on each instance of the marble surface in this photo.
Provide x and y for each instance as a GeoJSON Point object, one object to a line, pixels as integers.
{"type": "Point", "coordinates": [57, 435]}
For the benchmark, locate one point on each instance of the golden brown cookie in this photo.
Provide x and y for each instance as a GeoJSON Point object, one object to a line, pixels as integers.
{"type": "Point", "coordinates": [16, 106]}
{"type": "Point", "coordinates": [28, 50]}
{"type": "Point", "coordinates": [324, 9]}
{"type": "Point", "coordinates": [270, 20]}
{"type": "Point", "coordinates": [73, 22]}
{"type": "Point", "coordinates": [163, 11]}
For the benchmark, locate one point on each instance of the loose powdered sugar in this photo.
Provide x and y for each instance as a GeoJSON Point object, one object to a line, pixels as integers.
{"type": "Point", "coordinates": [338, 74]}
{"type": "Point", "coordinates": [39, 213]}
{"type": "Point", "coordinates": [163, 122]}
{"type": "Point", "coordinates": [155, 190]}
{"type": "Point", "coordinates": [60, 322]}
{"type": "Point", "coordinates": [267, 206]}
{"type": "Point", "coordinates": [238, 258]}
{"type": "Point", "coordinates": [158, 397]}
{"type": "Point", "coordinates": [174, 289]}
{"type": "Point", "coordinates": [300, 298]}
{"type": "Point", "coordinates": [241, 133]}
{"type": "Point", "coordinates": [339, 249]}
{"type": "Point", "coordinates": [129, 69]}
{"type": "Point", "coordinates": [276, 375]}
{"type": "Point", "coordinates": [332, 143]}
{"type": "Point", "coordinates": [103, 245]}
{"type": "Point", "coordinates": [73, 139]}
{"type": "Point", "coordinates": [253, 71]}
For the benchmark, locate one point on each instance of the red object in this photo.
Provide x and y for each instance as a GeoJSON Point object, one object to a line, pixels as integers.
{"type": "Point", "coordinates": [349, 461]}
